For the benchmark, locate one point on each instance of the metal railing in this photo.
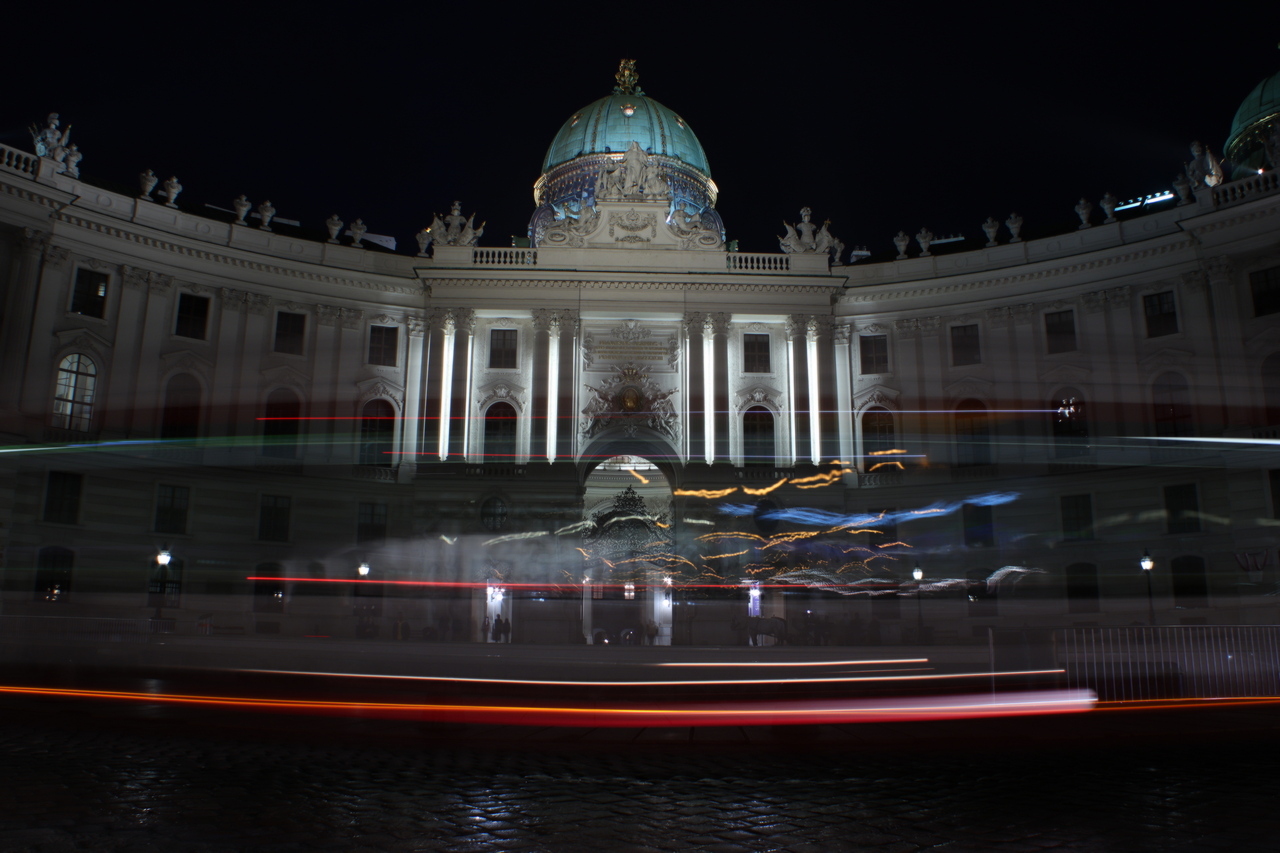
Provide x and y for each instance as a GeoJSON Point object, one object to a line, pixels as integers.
{"type": "Point", "coordinates": [1175, 662]}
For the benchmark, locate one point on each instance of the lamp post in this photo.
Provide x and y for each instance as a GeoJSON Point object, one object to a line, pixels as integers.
{"type": "Point", "coordinates": [162, 579]}
{"type": "Point", "coordinates": [1147, 565]}
{"type": "Point", "coordinates": [918, 574]}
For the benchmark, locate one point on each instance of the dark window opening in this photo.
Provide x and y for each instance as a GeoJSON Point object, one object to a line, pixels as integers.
{"type": "Point", "coordinates": [180, 419]}
{"type": "Point", "coordinates": [62, 497]}
{"type": "Point", "coordinates": [1077, 517]}
{"type": "Point", "coordinates": [873, 354]}
{"type": "Point", "coordinates": [758, 436]}
{"type": "Point", "coordinates": [1190, 583]}
{"type": "Point", "coordinates": [755, 353]}
{"type": "Point", "coordinates": [273, 518]}
{"type": "Point", "coordinates": [1265, 285]}
{"type": "Point", "coordinates": [193, 317]}
{"type": "Point", "coordinates": [1162, 314]}
{"type": "Point", "coordinates": [973, 435]}
{"type": "Point", "coordinates": [172, 503]}
{"type": "Point", "coordinates": [371, 524]}
{"type": "Point", "coordinates": [500, 421]}
{"type": "Point", "coordinates": [502, 348]}
{"type": "Point", "coordinates": [281, 425]}
{"type": "Point", "coordinates": [493, 514]}
{"type": "Point", "coordinates": [979, 526]}
{"type": "Point", "coordinates": [291, 331]}
{"type": "Point", "coordinates": [53, 575]}
{"type": "Point", "coordinates": [965, 348]}
{"type": "Point", "coordinates": [1182, 508]}
{"type": "Point", "coordinates": [1083, 590]}
{"type": "Point", "coordinates": [1172, 403]}
{"type": "Point", "coordinates": [377, 433]}
{"type": "Point", "coordinates": [877, 434]}
{"type": "Point", "coordinates": [1060, 331]}
{"type": "Point", "coordinates": [89, 293]}
{"type": "Point", "coordinates": [383, 343]}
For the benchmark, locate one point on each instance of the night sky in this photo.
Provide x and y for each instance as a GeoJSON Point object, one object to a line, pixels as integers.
{"type": "Point", "coordinates": [878, 120]}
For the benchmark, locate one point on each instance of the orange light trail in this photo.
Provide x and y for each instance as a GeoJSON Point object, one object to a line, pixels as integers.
{"type": "Point", "coordinates": [883, 464]}
{"type": "Point", "coordinates": [893, 452]}
{"type": "Point", "coordinates": [764, 491]}
{"type": "Point", "coordinates": [723, 556]}
{"type": "Point", "coordinates": [710, 494]}
{"type": "Point", "coordinates": [638, 476]}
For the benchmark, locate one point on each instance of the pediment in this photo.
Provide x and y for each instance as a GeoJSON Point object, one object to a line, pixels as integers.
{"type": "Point", "coordinates": [876, 395]}
{"type": "Point", "coordinates": [1066, 374]}
{"type": "Point", "coordinates": [285, 375]}
{"type": "Point", "coordinates": [970, 386]}
{"type": "Point", "coordinates": [379, 386]}
{"type": "Point", "coordinates": [83, 340]}
{"type": "Point", "coordinates": [759, 395]}
{"type": "Point", "coordinates": [500, 390]}
{"type": "Point", "coordinates": [185, 361]}
{"type": "Point", "coordinates": [1168, 357]}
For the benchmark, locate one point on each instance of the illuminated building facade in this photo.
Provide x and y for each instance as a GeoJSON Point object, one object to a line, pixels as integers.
{"type": "Point", "coordinates": [274, 409]}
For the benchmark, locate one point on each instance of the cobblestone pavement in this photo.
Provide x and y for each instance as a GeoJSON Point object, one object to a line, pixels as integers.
{"type": "Point", "coordinates": [103, 777]}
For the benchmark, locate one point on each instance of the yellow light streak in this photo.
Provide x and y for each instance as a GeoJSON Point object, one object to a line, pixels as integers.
{"type": "Point", "coordinates": [766, 490]}
{"type": "Point", "coordinates": [638, 476]}
{"type": "Point", "coordinates": [723, 556]}
{"type": "Point", "coordinates": [710, 494]}
{"type": "Point", "coordinates": [892, 462]}
{"type": "Point", "coordinates": [886, 452]}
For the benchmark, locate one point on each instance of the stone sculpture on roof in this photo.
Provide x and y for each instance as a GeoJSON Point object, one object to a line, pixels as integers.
{"type": "Point", "coordinates": [804, 236]}
{"type": "Point", "coordinates": [1204, 169]}
{"type": "Point", "coordinates": [49, 140]}
{"type": "Point", "coordinates": [455, 229]}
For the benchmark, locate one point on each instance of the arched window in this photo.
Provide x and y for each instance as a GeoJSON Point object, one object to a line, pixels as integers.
{"type": "Point", "coordinates": [1190, 583]}
{"type": "Point", "coordinates": [1070, 427]}
{"type": "Point", "coordinates": [973, 434]}
{"type": "Point", "coordinates": [500, 433]}
{"type": "Point", "coordinates": [1271, 388]}
{"type": "Point", "coordinates": [53, 574]}
{"type": "Point", "coordinates": [877, 431]}
{"type": "Point", "coordinates": [280, 429]}
{"type": "Point", "coordinates": [758, 446]}
{"type": "Point", "coordinates": [1172, 404]}
{"type": "Point", "coordinates": [1083, 592]}
{"type": "Point", "coordinates": [377, 433]}
{"type": "Point", "coordinates": [181, 416]}
{"type": "Point", "coordinates": [73, 397]}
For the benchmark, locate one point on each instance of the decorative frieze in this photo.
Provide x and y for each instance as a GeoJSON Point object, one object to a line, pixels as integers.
{"type": "Point", "coordinates": [908, 328]}
{"type": "Point", "coordinates": [259, 303]}
{"type": "Point", "coordinates": [415, 325]}
{"type": "Point", "coordinates": [350, 317]}
{"type": "Point", "coordinates": [327, 315]}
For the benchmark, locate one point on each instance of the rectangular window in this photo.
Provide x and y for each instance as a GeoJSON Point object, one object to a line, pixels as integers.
{"type": "Point", "coordinates": [273, 518]}
{"type": "Point", "coordinates": [1060, 331]}
{"type": "Point", "coordinates": [873, 354]}
{"type": "Point", "coordinates": [1265, 285]}
{"type": "Point", "coordinates": [964, 345]}
{"type": "Point", "coordinates": [1077, 517]}
{"type": "Point", "coordinates": [193, 317]}
{"type": "Point", "coordinates": [171, 508]}
{"type": "Point", "coordinates": [502, 348]}
{"type": "Point", "coordinates": [383, 341]}
{"type": "Point", "coordinates": [62, 497]}
{"type": "Point", "coordinates": [89, 293]}
{"type": "Point", "coordinates": [755, 353]}
{"type": "Point", "coordinates": [371, 523]}
{"type": "Point", "coordinates": [291, 330]}
{"type": "Point", "coordinates": [1182, 508]}
{"type": "Point", "coordinates": [979, 526]}
{"type": "Point", "coordinates": [1162, 314]}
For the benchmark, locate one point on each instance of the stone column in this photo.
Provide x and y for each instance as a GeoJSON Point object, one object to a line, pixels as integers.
{"type": "Point", "coordinates": [909, 372]}
{"type": "Point", "coordinates": [568, 385]}
{"type": "Point", "coordinates": [438, 377]}
{"type": "Point", "coordinates": [540, 400]}
{"type": "Point", "coordinates": [25, 273]}
{"type": "Point", "coordinates": [411, 422]}
{"type": "Point", "coordinates": [823, 390]}
{"type": "Point", "coordinates": [1024, 355]}
{"type": "Point", "coordinates": [720, 386]}
{"type": "Point", "coordinates": [843, 367]}
{"type": "Point", "coordinates": [1217, 287]}
{"type": "Point", "coordinates": [935, 361]}
{"type": "Point", "coordinates": [696, 396]}
{"type": "Point", "coordinates": [148, 393]}
{"type": "Point", "coordinates": [349, 359]}
{"type": "Point", "coordinates": [798, 386]}
{"type": "Point", "coordinates": [460, 405]}
{"type": "Point", "coordinates": [1129, 408]}
{"type": "Point", "coordinates": [234, 395]}
{"type": "Point", "coordinates": [49, 303]}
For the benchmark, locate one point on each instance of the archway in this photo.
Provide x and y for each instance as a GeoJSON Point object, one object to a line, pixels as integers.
{"type": "Point", "coordinates": [628, 551]}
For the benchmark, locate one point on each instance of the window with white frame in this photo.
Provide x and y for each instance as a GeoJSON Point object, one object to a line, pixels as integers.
{"type": "Point", "coordinates": [73, 396]}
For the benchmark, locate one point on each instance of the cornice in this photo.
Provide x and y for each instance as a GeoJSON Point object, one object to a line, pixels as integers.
{"type": "Point", "coordinates": [220, 258]}
{"type": "Point", "coordinates": [887, 291]}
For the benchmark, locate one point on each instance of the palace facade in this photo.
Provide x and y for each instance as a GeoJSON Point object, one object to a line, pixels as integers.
{"type": "Point", "coordinates": [623, 419]}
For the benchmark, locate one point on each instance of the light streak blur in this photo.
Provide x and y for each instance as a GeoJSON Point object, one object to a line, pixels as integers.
{"type": "Point", "coordinates": [709, 494]}
{"type": "Point", "coordinates": [638, 476]}
{"type": "Point", "coordinates": [765, 490]}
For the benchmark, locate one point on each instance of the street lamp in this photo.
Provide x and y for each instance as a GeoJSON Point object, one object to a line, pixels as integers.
{"type": "Point", "coordinates": [918, 574]}
{"type": "Point", "coordinates": [162, 579]}
{"type": "Point", "coordinates": [1147, 565]}
{"type": "Point", "coordinates": [363, 570]}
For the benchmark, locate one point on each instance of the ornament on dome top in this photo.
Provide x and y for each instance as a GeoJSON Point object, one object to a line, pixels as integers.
{"type": "Point", "coordinates": [628, 79]}
{"type": "Point", "coordinates": [805, 237]}
{"type": "Point", "coordinates": [455, 229]}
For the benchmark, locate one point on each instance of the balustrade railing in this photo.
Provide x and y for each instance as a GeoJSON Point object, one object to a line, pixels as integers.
{"type": "Point", "coordinates": [19, 161]}
{"type": "Point", "coordinates": [757, 262]}
{"type": "Point", "coordinates": [377, 473]}
{"type": "Point", "coordinates": [505, 257]}
{"type": "Point", "coordinates": [1245, 188]}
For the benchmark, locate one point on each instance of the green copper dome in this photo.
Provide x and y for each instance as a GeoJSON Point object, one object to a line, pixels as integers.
{"type": "Point", "coordinates": [612, 123]}
{"type": "Point", "coordinates": [1249, 127]}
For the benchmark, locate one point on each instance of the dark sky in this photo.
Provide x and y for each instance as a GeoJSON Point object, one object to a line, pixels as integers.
{"type": "Point", "coordinates": [879, 120]}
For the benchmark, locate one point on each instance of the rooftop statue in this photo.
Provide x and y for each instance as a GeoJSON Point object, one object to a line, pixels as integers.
{"type": "Point", "coordinates": [71, 163]}
{"type": "Point", "coordinates": [1204, 169]}
{"type": "Point", "coordinates": [49, 141]}
{"type": "Point", "coordinates": [455, 229]}
{"type": "Point", "coordinates": [628, 79]}
{"type": "Point", "coordinates": [804, 236]}
{"type": "Point", "coordinates": [571, 227]}
{"type": "Point", "coordinates": [692, 231]}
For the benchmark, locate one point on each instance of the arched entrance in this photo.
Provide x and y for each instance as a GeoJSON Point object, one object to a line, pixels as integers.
{"type": "Point", "coordinates": [627, 546]}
